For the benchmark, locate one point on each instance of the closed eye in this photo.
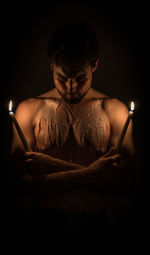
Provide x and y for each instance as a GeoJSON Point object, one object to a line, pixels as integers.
{"type": "Point", "coordinates": [81, 78]}
{"type": "Point", "coordinates": [61, 77]}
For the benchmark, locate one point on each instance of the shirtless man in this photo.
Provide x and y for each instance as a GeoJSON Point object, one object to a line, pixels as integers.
{"type": "Point", "coordinates": [72, 131]}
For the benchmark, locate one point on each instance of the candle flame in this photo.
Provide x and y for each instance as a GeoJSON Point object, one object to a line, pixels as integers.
{"type": "Point", "coordinates": [132, 106]}
{"type": "Point", "coordinates": [10, 106]}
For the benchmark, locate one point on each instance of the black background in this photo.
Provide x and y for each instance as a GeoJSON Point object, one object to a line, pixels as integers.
{"type": "Point", "coordinates": [123, 70]}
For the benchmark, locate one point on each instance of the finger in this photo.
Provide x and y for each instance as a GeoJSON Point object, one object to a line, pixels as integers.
{"type": "Point", "coordinates": [30, 155]}
{"type": "Point", "coordinates": [116, 163]}
{"type": "Point", "coordinates": [110, 152]}
{"type": "Point", "coordinates": [28, 161]}
{"type": "Point", "coordinates": [116, 157]}
{"type": "Point", "coordinates": [27, 153]}
{"type": "Point", "coordinates": [112, 159]}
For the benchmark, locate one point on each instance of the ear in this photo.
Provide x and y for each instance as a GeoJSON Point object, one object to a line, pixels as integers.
{"type": "Point", "coordinates": [95, 66]}
{"type": "Point", "coordinates": [52, 67]}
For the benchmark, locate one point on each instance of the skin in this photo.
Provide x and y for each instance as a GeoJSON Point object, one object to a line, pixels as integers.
{"type": "Point", "coordinates": [73, 90]}
{"type": "Point", "coordinates": [38, 174]}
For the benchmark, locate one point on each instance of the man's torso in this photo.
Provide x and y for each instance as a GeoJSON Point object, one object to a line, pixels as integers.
{"type": "Point", "coordinates": [77, 133]}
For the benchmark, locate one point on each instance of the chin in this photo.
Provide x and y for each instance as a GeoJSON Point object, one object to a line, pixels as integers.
{"type": "Point", "coordinates": [73, 100]}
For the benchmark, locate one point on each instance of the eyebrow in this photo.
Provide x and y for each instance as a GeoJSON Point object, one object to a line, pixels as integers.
{"type": "Point", "coordinates": [81, 75]}
{"type": "Point", "coordinates": [78, 76]}
{"type": "Point", "coordinates": [62, 75]}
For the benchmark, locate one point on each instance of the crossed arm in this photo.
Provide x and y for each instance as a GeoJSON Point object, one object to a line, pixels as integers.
{"type": "Point", "coordinates": [44, 175]}
{"type": "Point", "coordinates": [40, 174]}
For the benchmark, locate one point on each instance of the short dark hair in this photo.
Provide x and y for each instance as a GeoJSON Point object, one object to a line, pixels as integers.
{"type": "Point", "coordinates": [72, 46]}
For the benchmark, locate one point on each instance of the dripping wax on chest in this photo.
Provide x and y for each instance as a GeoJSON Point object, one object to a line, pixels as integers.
{"type": "Point", "coordinates": [88, 125]}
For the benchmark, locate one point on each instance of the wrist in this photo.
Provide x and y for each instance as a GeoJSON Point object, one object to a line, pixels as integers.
{"type": "Point", "coordinates": [93, 166]}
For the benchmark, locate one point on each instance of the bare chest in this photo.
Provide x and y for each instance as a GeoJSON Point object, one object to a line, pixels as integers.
{"type": "Point", "coordinates": [72, 134]}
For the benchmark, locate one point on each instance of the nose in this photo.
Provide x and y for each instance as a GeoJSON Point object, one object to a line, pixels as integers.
{"type": "Point", "coordinates": [71, 86]}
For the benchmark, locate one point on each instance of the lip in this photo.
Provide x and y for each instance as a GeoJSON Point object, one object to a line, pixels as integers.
{"type": "Point", "coordinates": [71, 96]}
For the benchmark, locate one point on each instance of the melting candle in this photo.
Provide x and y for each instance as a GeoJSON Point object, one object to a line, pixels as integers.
{"type": "Point", "coordinates": [18, 128]}
{"type": "Point", "coordinates": [122, 135]}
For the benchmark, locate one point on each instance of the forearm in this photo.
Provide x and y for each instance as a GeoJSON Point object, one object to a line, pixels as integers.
{"type": "Point", "coordinates": [54, 183]}
{"type": "Point", "coordinates": [45, 164]}
{"type": "Point", "coordinates": [105, 180]}
{"type": "Point", "coordinates": [24, 175]}
{"type": "Point", "coordinates": [101, 176]}
{"type": "Point", "coordinates": [63, 165]}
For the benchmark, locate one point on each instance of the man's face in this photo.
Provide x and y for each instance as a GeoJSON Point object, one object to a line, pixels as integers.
{"type": "Point", "coordinates": [72, 89]}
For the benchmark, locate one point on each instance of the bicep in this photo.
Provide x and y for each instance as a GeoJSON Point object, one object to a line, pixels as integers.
{"type": "Point", "coordinates": [127, 143]}
{"type": "Point", "coordinates": [24, 119]}
{"type": "Point", "coordinates": [118, 115]}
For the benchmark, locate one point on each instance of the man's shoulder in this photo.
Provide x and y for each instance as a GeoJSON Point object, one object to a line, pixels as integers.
{"type": "Point", "coordinates": [114, 104]}
{"type": "Point", "coordinates": [116, 110]}
{"type": "Point", "coordinates": [26, 104]}
{"type": "Point", "coordinates": [27, 108]}
{"type": "Point", "coordinates": [108, 101]}
{"type": "Point", "coordinates": [34, 102]}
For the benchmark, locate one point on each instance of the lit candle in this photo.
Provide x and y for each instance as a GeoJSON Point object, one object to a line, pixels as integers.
{"type": "Point", "coordinates": [20, 133]}
{"type": "Point", "coordinates": [125, 128]}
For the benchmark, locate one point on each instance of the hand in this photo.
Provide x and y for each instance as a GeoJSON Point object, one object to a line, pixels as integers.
{"type": "Point", "coordinates": [36, 162]}
{"type": "Point", "coordinates": [108, 159]}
